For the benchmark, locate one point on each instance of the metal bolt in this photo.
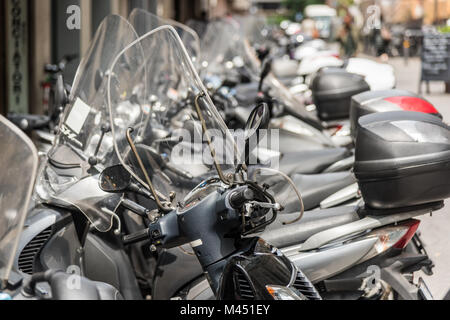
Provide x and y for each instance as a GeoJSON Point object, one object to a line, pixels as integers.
{"type": "Point", "coordinates": [156, 234]}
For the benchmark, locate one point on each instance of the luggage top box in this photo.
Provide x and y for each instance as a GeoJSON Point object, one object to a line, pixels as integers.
{"type": "Point", "coordinates": [384, 101]}
{"type": "Point", "coordinates": [332, 89]}
{"type": "Point", "coordinates": [402, 159]}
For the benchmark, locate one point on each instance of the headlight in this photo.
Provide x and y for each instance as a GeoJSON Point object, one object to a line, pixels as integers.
{"type": "Point", "coordinates": [284, 293]}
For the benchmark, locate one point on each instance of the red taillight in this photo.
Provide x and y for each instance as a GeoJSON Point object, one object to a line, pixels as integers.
{"type": "Point", "coordinates": [413, 225]}
{"type": "Point", "coordinates": [413, 104]}
{"type": "Point", "coordinates": [337, 129]}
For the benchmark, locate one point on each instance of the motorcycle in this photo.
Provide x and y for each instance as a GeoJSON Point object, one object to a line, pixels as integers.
{"type": "Point", "coordinates": [361, 252]}
{"type": "Point", "coordinates": [16, 195]}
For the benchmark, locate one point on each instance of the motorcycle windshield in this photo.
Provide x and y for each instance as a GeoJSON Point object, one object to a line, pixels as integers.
{"type": "Point", "coordinates": [254, 28]}
{"type": "Point", "coordinates": [221, 54]}
{"type": "Point", "coordinates": [144, 21]}
{"type": "Point", "coordinates": [277, 89]}
{"type": "Point", "coordinates": [19, 161]}
{"type": "Point", "coordinates": [84, 144]}
{"type": "Point", "coordinates": [233, 49]}
{"type": "Point", "coordinates": [173, 117]}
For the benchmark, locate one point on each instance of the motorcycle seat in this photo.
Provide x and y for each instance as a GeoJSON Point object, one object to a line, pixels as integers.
{"type": "Point", "coordinates": [282, 236]}
{"type": "Point", "coordinates": [317, 187]}
{"type": "Point", "coordinates": [246, 93]}
{"type": "Point", "coordinates": [311, 161]}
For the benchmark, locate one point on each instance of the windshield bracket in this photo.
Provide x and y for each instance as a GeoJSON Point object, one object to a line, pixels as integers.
{"type": "Point", "coordinates": [161, 206]}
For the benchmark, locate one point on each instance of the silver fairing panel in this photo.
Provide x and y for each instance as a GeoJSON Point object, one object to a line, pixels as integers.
{"type": "Point", "coordinates": [323, 264]}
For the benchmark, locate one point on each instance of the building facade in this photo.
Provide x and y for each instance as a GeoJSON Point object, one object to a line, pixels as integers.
{"type": "Point", "coordinates": [34, 33]}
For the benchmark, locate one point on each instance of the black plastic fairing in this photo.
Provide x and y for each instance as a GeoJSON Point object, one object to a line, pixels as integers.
{"type": "Point", "coordinates": [402, 159]}
{"type": "Point", "coordinates": [248, 272]}
{"type": "Point", "coordinates": [332, 91]}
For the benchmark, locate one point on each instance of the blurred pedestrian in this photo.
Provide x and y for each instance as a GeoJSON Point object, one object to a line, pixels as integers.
{"type": "Point", "coordinates": [383, 41]}
{"type": "Point", "coordinates": [347, 37]}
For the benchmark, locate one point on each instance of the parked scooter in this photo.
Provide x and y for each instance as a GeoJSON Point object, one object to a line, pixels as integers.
{"type": "Point", "coordinates": [363, 251]}
{"type": "Point", "coordinates": [16, 186]}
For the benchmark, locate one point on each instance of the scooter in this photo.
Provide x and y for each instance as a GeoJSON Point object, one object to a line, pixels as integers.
{"type": "Point", "coordinates": [238, 267]}
{"type": "Point", "coordinates": [17, 184]}
{"type": "Point", "coordinates": [348, 252]}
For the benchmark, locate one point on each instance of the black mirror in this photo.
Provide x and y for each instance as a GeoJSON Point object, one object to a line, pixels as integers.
{"type": "Point", "coordinates": [60, 92]}
{"type": "Point", "coordinates": [258, 120]}
{"type": "Point", "coordinates": [98, 79]}
{"type": "Point", "coordinates": [266, 69]}
{"type": "Point", "coordinates": [262, 53]}
{"type": "Point", "coordinates": [115, 179]}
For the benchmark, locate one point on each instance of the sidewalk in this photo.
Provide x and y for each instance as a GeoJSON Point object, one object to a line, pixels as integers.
{"type": "Point", "coordinates": [408, 77]}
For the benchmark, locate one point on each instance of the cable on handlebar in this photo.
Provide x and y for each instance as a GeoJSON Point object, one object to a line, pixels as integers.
{"type": "Point", "coordinates": [289, 180]}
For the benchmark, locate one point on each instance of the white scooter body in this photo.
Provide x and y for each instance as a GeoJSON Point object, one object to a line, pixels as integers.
{"type": "Point", "coordinates": [312, 64]}
{"type": "Point", "coordinates": [379, 76]}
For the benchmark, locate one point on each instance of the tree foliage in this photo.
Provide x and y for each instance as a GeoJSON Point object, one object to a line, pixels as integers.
{"type": "Point", "coordinates": [295, 6]}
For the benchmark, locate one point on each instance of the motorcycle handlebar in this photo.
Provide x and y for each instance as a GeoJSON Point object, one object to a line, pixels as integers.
{"type": "Point", "coordinates": [28, 122]}
{"type": "Point", "coordinates": [177, 171]}
{"type": "Point", "coordinates": [239, 197]}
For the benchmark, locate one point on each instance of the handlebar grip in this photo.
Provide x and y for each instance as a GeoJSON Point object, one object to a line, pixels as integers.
{"type": "Point", "coordinates": [136, 208]}
{"type": "Point", "coordinates": [179, 172]}
{"type": "Point", "coordinates": [51, 68]}
{"type": "Point", "coordinates": [28, 122]}
{"type": "Point", "coordinates": [136, 237]}
{"type": "Point", "coordinates": [239, 197]}
{"type": "Point", "coordinates": [41, 123]}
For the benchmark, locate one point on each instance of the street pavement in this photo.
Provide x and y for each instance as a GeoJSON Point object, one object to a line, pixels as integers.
{"type": "Point", "coordinates": [435, 230]}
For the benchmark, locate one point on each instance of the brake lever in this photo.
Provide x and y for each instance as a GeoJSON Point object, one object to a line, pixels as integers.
{"type": "Point", "coordinates": [249, 206]}
{"type": "Point", "coordinates": [265, 205]}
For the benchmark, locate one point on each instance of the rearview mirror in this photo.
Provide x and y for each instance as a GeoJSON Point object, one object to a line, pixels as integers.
{"type": "Point", "coordinates": [257, 121]}
{"type": "Point", "coordinates": [60, 93]}
{"type": "Point", "coordinates": [98, 79]}
{"type": "Point", "coordinates": [266, 69]}
{"type": "Point", "coordinates": [115, 179]}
